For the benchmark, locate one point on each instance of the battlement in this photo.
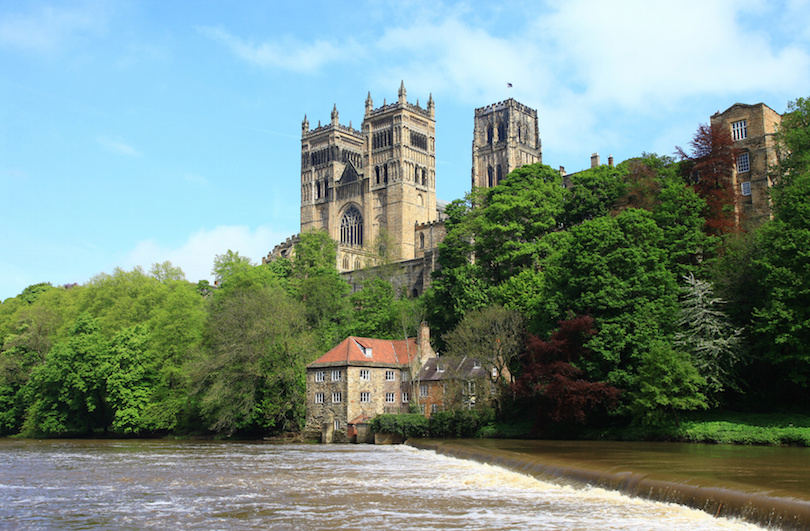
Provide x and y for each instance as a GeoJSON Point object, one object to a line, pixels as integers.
{"type": "Point", "coordinates": [510, 103]}
{"type": "Point", "coordinates": [332, 127]}
{"type": "Point", "coordinates": [395, 106]}
{"type": "Point", "coordinates": [282, 250]}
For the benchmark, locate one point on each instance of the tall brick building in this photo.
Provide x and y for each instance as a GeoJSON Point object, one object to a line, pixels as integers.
{"type": "Point", "coordinates": [752, 128]}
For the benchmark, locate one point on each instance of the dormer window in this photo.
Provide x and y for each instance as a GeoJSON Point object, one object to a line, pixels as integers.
{"type": "Point", "coordinates": [366, 351]}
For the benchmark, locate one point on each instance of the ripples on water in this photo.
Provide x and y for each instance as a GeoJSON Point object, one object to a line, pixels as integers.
{"type": "Point", "coordinates": [170, 485]}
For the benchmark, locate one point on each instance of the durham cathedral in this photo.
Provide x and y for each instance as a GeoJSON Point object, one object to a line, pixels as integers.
{"type": "Point", "coordinates": [376, 186]}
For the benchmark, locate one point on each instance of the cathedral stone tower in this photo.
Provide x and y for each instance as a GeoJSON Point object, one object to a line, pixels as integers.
{"type": "Point", "coordinates": [505, 137]}
{"type": "Point", "coordinates": [358, 184]}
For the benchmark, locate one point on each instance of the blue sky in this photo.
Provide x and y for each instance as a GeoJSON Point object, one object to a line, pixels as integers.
{"type": "Point", "coordinates": [133, 132]}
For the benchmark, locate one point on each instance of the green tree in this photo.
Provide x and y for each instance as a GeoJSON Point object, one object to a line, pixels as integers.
{"type": "Point", "coordinates": [130, 381]}
{"type": "Point", "coordinates": [793, 143]}
{"type": "Point", "coordinates": [716, 346]}
{"type": "Point", "coordinates": [667, 383]}
{"type": "Point", "coordinates": [514, 216]}
{"type": "Point", "coordinates": [614, 269]}
{"type": "Point", "coordinates": [252, 374]}
{"type": "Point", "coordinates": [781, 319]}
{"type": "Point", "coordinates": [495, 336]}
{"type": "Point", "coordinates": [67, 392]}
{"type": "Point", "coordinates": [595, 192]}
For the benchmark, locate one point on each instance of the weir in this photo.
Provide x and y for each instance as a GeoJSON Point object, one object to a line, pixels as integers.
{"type": "Point", "coordinates": [762, 506]}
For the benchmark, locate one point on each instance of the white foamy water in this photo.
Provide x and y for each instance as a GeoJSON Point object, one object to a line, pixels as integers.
{"type": "Point", "coordinates": [203, 485]}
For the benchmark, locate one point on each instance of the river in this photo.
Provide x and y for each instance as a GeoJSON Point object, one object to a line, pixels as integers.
{"type": "Point", "coordinates": [162, 484]}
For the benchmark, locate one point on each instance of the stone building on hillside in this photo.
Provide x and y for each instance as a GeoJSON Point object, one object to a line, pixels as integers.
{"type": "Point", "coordinates": [360, 379]}
{"type": "Point", "coordinates": [752, 128]}
{"type": "Point", "coordinates": [359, 184]}
{"type": "Point", "coordinates": [505, 137]}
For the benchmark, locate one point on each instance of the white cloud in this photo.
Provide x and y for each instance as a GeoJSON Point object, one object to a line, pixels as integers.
{"type": "Point", "coordinates": [196, 255]}
{"type": "Point", "coordinates": [48, 27]}
{"type": "Point", "coordinates": [290, 54]}
{"type": "Point", "coordinates": [117, 145]}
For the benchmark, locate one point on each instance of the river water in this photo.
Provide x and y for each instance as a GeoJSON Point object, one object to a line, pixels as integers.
{"type": "Point", "coordinates": [145, 484]}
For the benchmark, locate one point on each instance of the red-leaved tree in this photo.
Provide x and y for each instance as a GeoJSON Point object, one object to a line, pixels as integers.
{"type": "Point", "coordinates": [553, 384]}
{"type": "Point", "coordinates": [711, 168]}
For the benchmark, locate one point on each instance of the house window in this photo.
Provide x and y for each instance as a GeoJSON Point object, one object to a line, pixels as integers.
{"type": "Point", "coordinates": [739, 130]}
{"type": "Point", "coordinates": [406, 376]}
{"type": "Point", "coordinates": [319, 398]}
{"type": "Point", "coordinates": [337, 398]}
{"type": "Point", "coordinates": [745, 187]}
{"type": "Point", "coordinates": [422, 409]}
{"type": "Point", "coordinates": [476, 364]}
{"type": "Point", "coordinates": [423, 390]}
{"type": "Point", "coordinates": [470, 387]}
{"type": "Point", "coordinates": [336, 376]}
{"type": "Point", "coordinates": [405, 398]}
{"type": "Point", "coordinates": [434, 408]}
{"type": "Point", "coordinates": [365, 396]}
{"type": "Point", "coordinates": [742, 163]}
{"type": "Point", "coordinates": [364, 374]}
{"type": "Point", "coordinates": [390, 397]}
{"type": "Point", "coordinates": [389, 376]}
{"type": "Point", "coordinates": [319, 376]}
{"type": "Point", "coordinates": [337, 424]}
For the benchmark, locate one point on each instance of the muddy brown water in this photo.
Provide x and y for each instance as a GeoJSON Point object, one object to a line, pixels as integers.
{"type": "Point", "coordinates": [161, 484]}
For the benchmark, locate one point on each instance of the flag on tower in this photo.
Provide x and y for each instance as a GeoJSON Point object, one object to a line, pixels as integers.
{"type": "Point", "coordinates": [508, 85]}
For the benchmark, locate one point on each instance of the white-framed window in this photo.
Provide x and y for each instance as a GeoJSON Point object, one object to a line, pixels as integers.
{"type": "Point", "coordinates": [390, 397]}
{"type": "Point", "coordinates": [405, 375]}
{"type": "Point", "coordinates": [739, 130]}
{"type": "Point", "coordinates": [439, 367]}
{"type": "Point", "coordinates": [742, 163]}
{"type": "Point", "coordinates": [337, 398]}
{"type": "Point", "coordinates": [434, 408]}
{"type": "Point", "coordinates": [422, 409]}
{"type": "Point", "coordinates": [365, 396]}
{"type": "Point", "coordinates": [405, 398]}
{"type": "Point", "coordinates": [389, 376]}
{"type": "Point", "coordinates": [470, 387]}
{"type": "Point", "coordinates": [745, 188]}
{"type": "Point", "coordinates": [319, 376]}
{"type": "Point", "coordinates": [337, 424]}
{"type": "Point", "coordinates": [365, 374]}
{"type": "Point", "coordinates": [476, 364]}
{"type": "Point", "coordinates": [336, 375]}
{"type": "Point", "coordinates": [319, 398]}
{"type": "Point", "coordinates": [423, 390]}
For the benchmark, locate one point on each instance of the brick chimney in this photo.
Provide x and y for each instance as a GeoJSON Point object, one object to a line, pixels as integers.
{"type": "Point", "coordinates": [610, 160]}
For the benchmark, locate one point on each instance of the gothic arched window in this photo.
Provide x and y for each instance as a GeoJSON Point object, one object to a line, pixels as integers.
{"type": "Point", "coordinates": [346, 262]}
{"type": "Point", "coordinates": [377, 174]}
{"type": "Point", "coordinates": [351, 227]}
{"type": "Point", "coordinates": [500, 174]}
{"type": "Point", "coordinates": [491, 176]}
{"type": "Point", "coordinates": [489, 134]}
{"type": "Point", "coordinates": [501, 132]}
{"type": "Point", "coordinates": [422, 241]}
{"type": "Point", "coordinates": [357, 263]}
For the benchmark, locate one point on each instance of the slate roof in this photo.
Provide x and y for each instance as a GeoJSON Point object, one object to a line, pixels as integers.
{"type": "Point", "coordinates": [451, 369]}
{"type": "Point", "coordinates": [368, 351]}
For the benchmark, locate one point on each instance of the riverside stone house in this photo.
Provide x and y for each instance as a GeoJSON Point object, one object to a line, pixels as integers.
{"type": "Point", "coordinates": [360, 379]}
{"type": "Point", "coordinates": [446, 383]}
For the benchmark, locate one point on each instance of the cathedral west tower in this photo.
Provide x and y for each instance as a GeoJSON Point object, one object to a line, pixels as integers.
{"type": "Point", "coordinates": [357, 184]}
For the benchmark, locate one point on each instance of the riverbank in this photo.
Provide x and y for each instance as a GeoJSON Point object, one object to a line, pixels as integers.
{"type": "Point", "coordinates": [777, 429]}
{"type": "Point", "coordinates": [765, 486]}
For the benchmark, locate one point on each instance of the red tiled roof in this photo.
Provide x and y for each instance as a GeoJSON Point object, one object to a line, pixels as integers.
{"type": "Point", "coordinates": [385, 351]}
